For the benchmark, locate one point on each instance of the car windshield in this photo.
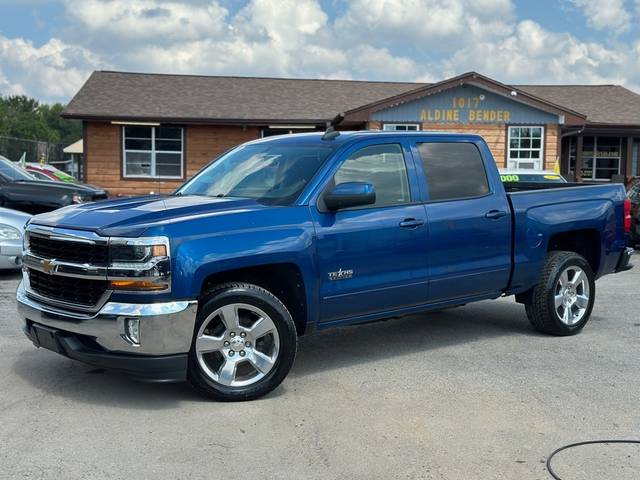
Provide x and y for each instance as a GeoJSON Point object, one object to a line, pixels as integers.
{"type": "Point", "coordinates": [12, 171]}
{"type": "Point", "coordinates": [532, 177]}
{"type": "Point", "coordinates": [269, 173]}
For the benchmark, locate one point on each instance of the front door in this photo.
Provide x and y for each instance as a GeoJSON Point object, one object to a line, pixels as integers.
{"type": "Point", "coordinates": [373, 258]}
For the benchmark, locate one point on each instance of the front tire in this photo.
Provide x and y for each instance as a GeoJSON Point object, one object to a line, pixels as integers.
{"type": "Point", "coordinates": [562, 302]}
{"type": "Point", "coordinates": [244, 343]}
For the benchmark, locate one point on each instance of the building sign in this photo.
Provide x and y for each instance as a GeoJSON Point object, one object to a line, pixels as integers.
{"type": "Point", "coordinates": [465, 104]}
{"type": "Point", "coordinates": [471, 108]}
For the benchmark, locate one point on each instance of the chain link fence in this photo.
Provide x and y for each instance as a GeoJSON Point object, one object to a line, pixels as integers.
{"type": "Point", "coordinates": [34, 150]}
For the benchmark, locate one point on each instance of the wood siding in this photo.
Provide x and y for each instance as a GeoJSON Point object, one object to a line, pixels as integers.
{"type": "Point", "coordinates": [551, 146]}
{"type": "Point", "coordinates": [103, 155]}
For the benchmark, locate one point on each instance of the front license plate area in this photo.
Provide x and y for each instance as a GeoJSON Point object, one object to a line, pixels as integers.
{"type": "Point", "coordinates": [47, 338]}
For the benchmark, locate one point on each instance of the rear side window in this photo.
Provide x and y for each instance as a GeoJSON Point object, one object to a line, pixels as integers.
{"type": "Point", "coordinates": [381, 165]}
{"type": "Point", "coordinates": [453, 170]}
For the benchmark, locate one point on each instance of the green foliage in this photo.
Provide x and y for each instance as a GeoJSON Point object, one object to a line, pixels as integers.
{"type": "Point", "coordinates": [24, 117]}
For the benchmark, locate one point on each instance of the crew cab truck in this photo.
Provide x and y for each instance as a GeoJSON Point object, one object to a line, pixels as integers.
{"type": "Point", "coordinates": [284, 235]}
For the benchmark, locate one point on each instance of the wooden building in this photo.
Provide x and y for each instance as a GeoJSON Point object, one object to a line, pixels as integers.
{"type": "Point", "coordinates": [148, 132]}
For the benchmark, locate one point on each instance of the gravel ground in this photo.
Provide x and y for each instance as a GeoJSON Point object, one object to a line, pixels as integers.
{"type": "Point", "coordinates": [469, 393]}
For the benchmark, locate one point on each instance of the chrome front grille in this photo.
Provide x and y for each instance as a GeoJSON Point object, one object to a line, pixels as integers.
{"type": "Point", "coordinates": [72, 290]}
{"type": "Point", "coordinates": [66, 268]}
{"type": "Point", "coordinates": [69, 250]}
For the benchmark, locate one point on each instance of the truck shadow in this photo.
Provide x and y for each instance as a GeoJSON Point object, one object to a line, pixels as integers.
{"type": "Point", "coordinates": [327, 350]}
{"type": "Point", "coordinates": [341, 347]}
{"type": "Point", "coordinates": [53, 374]}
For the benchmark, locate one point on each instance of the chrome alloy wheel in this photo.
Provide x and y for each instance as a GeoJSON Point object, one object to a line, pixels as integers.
{"type": "Point", "coordinates": [237, 345]}
{"type": "Point", "coordinates": [571, 295]}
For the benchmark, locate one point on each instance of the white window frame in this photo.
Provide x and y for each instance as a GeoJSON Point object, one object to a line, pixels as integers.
{"type": "Point", "coordinates": [540, 159]}
{"type": "Point", "coordinates": [393, 127]}
{"type": "Point", "coordinates": [153, 152]}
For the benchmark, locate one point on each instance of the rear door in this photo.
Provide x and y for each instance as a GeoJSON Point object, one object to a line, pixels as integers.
{"type": "Point", "coordinates": [469, 220]}
{"type": "Point", "coordinates": [373, 258]}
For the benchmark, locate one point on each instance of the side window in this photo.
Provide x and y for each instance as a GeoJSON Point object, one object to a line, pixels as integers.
{"type": "Point", "coordinates": [381, 165]}
{"type": "Point", "coordinates": [453, 170]}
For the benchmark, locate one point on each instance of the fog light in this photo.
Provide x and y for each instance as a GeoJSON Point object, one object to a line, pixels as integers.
{"type": "Point", "coordinates": [132, 330]}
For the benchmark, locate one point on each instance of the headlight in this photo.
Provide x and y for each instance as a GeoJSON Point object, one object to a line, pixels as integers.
{"type": "Point", "coordinates": [8, 232]}
{"type": "Point", "coordinates": [139, 264]}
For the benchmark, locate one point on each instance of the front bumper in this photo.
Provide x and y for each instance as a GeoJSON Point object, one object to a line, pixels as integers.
{"type": "Point", "coordinates": [166, 331]}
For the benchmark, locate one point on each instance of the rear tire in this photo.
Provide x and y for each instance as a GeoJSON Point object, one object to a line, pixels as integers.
{"type": "Point", "coordinates": [244, 343]}
{"type": "Point", "coordinates": [562, 302]}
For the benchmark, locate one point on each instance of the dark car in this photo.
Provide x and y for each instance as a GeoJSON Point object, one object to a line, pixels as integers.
{"type": "Point", "coordinates": [634, 196]}
{"type": "Point", "coordinates": [22, 191]}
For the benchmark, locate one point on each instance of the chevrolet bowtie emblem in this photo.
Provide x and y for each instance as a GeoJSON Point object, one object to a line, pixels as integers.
{"type": "Point", "coordinates": [48, 266]}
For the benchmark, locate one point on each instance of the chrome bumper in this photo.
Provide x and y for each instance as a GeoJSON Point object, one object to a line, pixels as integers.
{"type": "Point", "coordinates": [165, 328]}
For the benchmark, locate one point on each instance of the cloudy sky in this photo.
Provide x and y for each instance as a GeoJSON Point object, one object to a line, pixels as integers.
{"type": "Point", "coordinates": [48, 48]}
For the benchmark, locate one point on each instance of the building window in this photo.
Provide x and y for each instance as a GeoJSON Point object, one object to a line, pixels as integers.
{"type": "Point", "coordinates": [152, 152]}
{"type": "Point", "coordinates": [401, 127]}
{"type": "Point", "coordinates": [601, 157]}
{"type": "Point", "coordinates": [526, 147]}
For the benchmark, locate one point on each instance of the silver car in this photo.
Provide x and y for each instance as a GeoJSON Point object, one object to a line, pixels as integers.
{"type": "Point", "coordinates": [12, 225]}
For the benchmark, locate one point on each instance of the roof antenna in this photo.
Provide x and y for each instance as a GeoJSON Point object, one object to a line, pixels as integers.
{"type": "Point", "coordinates": [331, 132]}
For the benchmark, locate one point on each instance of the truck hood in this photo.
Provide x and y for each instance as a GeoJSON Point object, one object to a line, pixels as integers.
{"type": "Point", "coordinates": [132, 216]}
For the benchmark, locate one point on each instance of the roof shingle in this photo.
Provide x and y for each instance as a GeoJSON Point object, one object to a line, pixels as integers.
{"type": "Point", "coordinates": [137, 95]}
{"type": "Point", "coordinates": [600, 103]}
{"type": "Point", "coordinates": [161, 97]}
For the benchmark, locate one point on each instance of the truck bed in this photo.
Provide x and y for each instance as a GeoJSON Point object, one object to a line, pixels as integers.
{"type": "Point", "coordinates": [526, 186]}
{"type": "Point", "coordinates": [544, 210]}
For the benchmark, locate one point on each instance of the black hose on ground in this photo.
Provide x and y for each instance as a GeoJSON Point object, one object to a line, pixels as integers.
{"type": "Point", "coordinates": [579, 444]}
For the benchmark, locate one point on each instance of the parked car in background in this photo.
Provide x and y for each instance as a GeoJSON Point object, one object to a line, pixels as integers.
{"type": "Point", "coordinates": [634, 196]}
{"type": "Point", "coordinates": [49, 172]}
{"type": "Point", "coordinates": [22, 191]}
{"type": "Point", "coordinates": [12, 225]}
{"type": "Point", "coordinates": [530, 176]}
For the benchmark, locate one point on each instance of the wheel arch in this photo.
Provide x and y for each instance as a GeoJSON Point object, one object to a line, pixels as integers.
{"type": "Point", "coordinates": [284, 280]}
{"type": "Point", "coordinates": [584, 242]}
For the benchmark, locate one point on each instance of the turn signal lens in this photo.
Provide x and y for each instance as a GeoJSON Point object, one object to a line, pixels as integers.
{"type": "Point", "coordinates": [137, 285]}
{"type": "Point", "coordinates": [159, 251]}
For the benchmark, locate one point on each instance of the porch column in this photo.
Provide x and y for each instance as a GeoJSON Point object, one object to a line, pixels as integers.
{"type": "Point", "coordinates": [579, 158]}
{"type": "Point", "coordinates": [629, 163]}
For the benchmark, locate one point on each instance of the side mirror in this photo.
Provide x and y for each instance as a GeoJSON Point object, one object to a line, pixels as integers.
{"type": "Point", "coordinates": [350, 194]}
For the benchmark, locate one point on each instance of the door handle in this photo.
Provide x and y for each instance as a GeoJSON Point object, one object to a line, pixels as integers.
{"type": "Point", "coordinates": [495, 214]}
{"type": "Point", "coordinates": [411, 223]}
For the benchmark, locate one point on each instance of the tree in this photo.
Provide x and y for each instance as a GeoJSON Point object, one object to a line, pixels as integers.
{"type": "Point", "coordinates": [25, 117]}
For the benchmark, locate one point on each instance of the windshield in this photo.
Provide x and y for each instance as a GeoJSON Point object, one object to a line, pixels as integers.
{"type": "Point", "coordinates": [10, 170]}
{"type": "Point", "coordinates": [270, 173]}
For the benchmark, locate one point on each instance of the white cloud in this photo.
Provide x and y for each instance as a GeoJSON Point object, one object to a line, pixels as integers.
{"type": "Point", "coordinates": [409, 40]}
{"type": "Point", "coordinates": [55, 70]}
{"type": "Point", "coordinates": [610, 15]}
{"type": "Point", "coordinates": [148, 20]}
{"type": "Point", "coordinates": [535, 55]}
{"type": "Point", "coordinates": [435, 25]}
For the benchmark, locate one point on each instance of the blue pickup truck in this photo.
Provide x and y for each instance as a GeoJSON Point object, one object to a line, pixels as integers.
{"type": "Point", "coordinates": [285, 235]}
